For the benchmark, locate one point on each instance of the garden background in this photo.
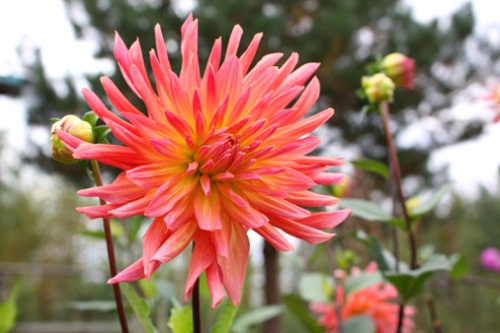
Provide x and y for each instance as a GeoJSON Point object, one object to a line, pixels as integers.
{"type": "Point", "coordinates": [443, 130]}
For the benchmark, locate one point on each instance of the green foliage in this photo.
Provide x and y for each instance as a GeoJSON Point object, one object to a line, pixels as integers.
{"type": "Point", "coordinates": [140, 307]}
{"type": "Point", "coordinates": [300, 311]}
{"type": "Point", "coordinates": [410, 283]}
{"type": "Point", "coordinates": [359, 324]}
{"type": "Point", "coordinates": [225, 317]}
{"type": "Point", "coordinates": [256, 316]}
{"type": "Point", "coordinates": [316, 287]}
{"type": "Point", "coordinates": [432, 202]}
{"type": "Point", "coordinates": [8, 309]}
{"type": "Point", "coordinates": [376, 167]}
{"type": "Point", "coordinates": [181, 320]}
{"type": "Point", "coordinates": [363, 280]}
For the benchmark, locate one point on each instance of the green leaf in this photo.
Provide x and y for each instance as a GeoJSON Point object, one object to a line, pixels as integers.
{"type": "Point", "coordinates": [459, 266]}
{"type": "Point", "coordinates": [364, 280]}
{"type": "Point", "coordinates": [140, 307]}
{"type": "Point", "coordinates": [300, 311]}
{"type": "Point", "coordinates": [8, 309]}
{"type": "Point", "coordinates": [225, 317]}
{"type": "Point", "coordinates": [257, 316]}
{"type": "Point", "coordinates": [428, 205]}
{"type": "Point", "coordinates": [90, 117]}
{"type": "Point", "coordinates": [410, 283]}
{"type": "Point", "coordinates": [373, 166]}
{"type": "Point", "coordinates": [316, 287]}
{"type": "Point", "coordinates": [181, 320]}
{"type": "Point", "coordinates": [100, 133]}
{"type": "Point", "coordinates": [358, 324]}
{"type": "Point", "coordinates": [365, 209]}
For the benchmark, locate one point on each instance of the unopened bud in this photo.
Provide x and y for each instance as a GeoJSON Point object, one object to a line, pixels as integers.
{"type": "Point", "coordinates": [343, 189]}
{"type": "Point", "coordinates": [72, 125]}
{"type": "Point", "coordinates": [400, 69]}
{"type": "Point", "coordinates": [378, 88]}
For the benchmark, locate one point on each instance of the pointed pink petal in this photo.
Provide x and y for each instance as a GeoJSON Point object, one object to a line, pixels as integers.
{"type": "Point", "coordinates": [203, 256]}
{"type": "Point", "coordinates": [152, 240]}
{"type": "Point", "coordinates": [133, 272]}
{"type": "Point", "coordinates": [234, 267]}
{"type": "Point", "coordinates": [122, 190]}
{"type": "Point", "coordinates": [234, 41]}
{"type": "Point", "coordinates": [326, 220]}
{"type": "Point", "coordinates": [329, 178]}
{"type": "Point", "coordinates": [207, 210]}
{"type": "Point", "coordinates": [274, 237]}
{"type": "Point", "coordinates": [117, 156]}
{"type": "Point", "coordinates": [101, 211]}
{"type": "Point", "coordinates": [176, 242]}
{"type": "Point", "coordinates": [169, 193]}
{"type": "Point", "coordinates": [296, 229]}
{"type": "Point", "coordinates": [311, 199]}
{"type": "Point", "coordinates": [214, 279]}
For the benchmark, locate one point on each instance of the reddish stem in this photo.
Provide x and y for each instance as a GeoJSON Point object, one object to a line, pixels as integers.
{"type": "Point", "coordinates": [111, 254]}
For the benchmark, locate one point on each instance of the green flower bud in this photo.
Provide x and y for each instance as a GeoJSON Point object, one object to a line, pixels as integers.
{"type": "Point", "coordinates": [378, 88]}
{"type": "Point", "coordinates": [72, 125]}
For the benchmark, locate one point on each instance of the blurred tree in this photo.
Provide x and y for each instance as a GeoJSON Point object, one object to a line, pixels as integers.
{"type": "Point", "coordinates": [343, 35]}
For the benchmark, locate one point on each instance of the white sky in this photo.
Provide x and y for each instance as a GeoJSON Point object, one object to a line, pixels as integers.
{"type": "Point", "coordinates": [43, 23]}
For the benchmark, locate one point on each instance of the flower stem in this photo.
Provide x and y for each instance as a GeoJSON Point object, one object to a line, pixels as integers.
{"type": "Point", "coordinates": [195, 303]}
{"type": "Point", "coordinates": [111, 254]}
{"type": "Point", "coordinates": [384, 110]}
{"type": "Point", "coordinates": [396, 174]}
{"type": "Point", "coordinates": [436, 325]}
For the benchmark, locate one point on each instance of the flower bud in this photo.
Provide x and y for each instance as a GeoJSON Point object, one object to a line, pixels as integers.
{"type": "Point", "coordinates": [400, 69]}
{"type": "Point", "coordinates": [490, 259]}
{"type": "Point", "coordinates": [378, 88]}
{"type": "Point", "coordinates": [72, 125]}
{"type": "Point", "coordinates": [343, 189]}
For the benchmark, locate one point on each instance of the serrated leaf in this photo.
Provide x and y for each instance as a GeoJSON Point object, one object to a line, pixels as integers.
{"type": "Point", "coordinates": [428, 205]}
{"type": "Point", "coordinates": [8, 309]}
{"type": "Point", "coordinates": [181, 320]}
{"type": "Point", "coordinates": [316, 287]}
{"type": "Point", "coordinates": [358, 324]}
{"type": "Point", "coordinates": [410, 283]}
{"type": "Point", "coordinates": [256, 316]}
{"type": "Point", "coordinates": [365, 209]}
{"type": "Point", "coordinates": [140, 307]}
{"type": "Point", "coordinates": [373, 166]}
{"type": "Point", "coordinates": [300, 311]}
{"type": "Point", "coordinates": [225, 317]}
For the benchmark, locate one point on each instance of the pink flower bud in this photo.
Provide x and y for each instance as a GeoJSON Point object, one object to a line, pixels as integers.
{"type": "Point", "coordinates": [400, 69]}
{"type": "Point", "coordinates": [378, 88]}
{"type": "Point", "coordinates": [490, 259]}
{"type": "Point", "coordinates": [72, 125]}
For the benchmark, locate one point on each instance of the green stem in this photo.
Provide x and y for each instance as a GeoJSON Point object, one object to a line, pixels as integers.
{"type": "Point", "coordinates": [111, 254]}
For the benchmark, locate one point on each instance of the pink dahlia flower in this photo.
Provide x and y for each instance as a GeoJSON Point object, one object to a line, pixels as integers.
{"type": "Point", "coordinates": [377, 302]}
{"type": "Point", "coordinates": [217, 154]}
